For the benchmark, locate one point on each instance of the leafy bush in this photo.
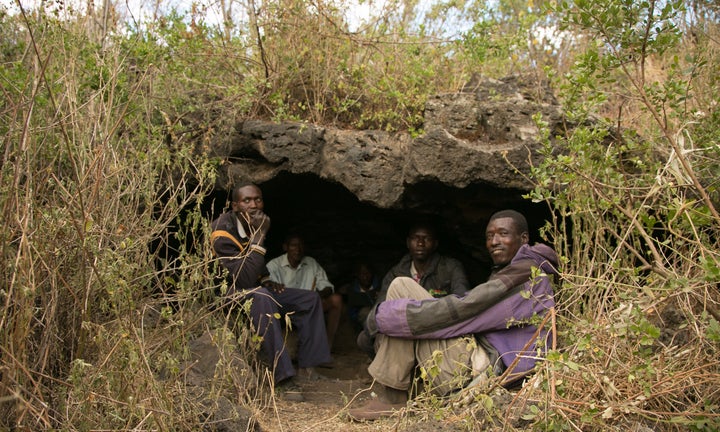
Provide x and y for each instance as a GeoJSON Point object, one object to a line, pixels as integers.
{"type": "Point", "coordinates": [93, 178]}
{"type": "Point", "coordinates": [637, 226]}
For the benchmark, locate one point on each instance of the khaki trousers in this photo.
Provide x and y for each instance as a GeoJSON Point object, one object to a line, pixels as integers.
{"type": "Point", "coordinates": [444, 363]}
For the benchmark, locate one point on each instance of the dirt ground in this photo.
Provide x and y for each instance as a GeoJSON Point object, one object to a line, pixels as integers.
{"type": "Point", "coordinates": [326, 401]}
{"type": "Point", "coordinates": [348, 385]}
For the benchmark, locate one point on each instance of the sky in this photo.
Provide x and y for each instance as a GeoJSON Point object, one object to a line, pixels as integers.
{"type": "Point", "coordinates": [357, 12]}
{"type": "Point", "coordinates": [142, 10]}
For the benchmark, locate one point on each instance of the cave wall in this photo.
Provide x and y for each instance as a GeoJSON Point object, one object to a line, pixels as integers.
{"type": "Point", "coordinates": [353, 194]}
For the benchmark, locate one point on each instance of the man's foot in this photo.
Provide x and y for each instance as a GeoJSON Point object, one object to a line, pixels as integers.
{"type": "Point", "coordinates": [388, 402]}
{"type": "Point", "coordinates": [375, 409]}
{"type": "Point", "coordinates": [289, 390]}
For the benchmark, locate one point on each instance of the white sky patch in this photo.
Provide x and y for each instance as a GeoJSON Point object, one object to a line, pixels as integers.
{"type": "Point", "coordinates": [357, 12]}
{"type": "Point", "coordinates": [9, 6]}
{"type": "Point", "coordinates": [551, 36]}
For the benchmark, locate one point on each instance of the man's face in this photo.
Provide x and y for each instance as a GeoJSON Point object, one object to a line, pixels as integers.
{"type": "Point", "coordinates": [421, 244]}
{"type": "Point", "coordinates": [295, 249]}
{"type": "Point", "coordinates": [503, 240]}
{"type": "Point", "coordinates": [247, 200]}
{"type": "Point", "coordinates": [364, 276]}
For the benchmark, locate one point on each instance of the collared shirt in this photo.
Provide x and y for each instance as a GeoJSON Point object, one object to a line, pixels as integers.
{"type": "Point", "coordinates": [414, 273]}
{"type": "Point", "coordinates": [308, 274]}
{"type": "Point", "coordinates": [241, 230]}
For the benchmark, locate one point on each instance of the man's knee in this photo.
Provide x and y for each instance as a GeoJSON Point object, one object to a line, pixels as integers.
{"type": "Point", "coordinates": [406, 287]}
{"type": "Point", "coordinates": [335, 301]}
{"type": "Point", "coordinates": [263, 302]}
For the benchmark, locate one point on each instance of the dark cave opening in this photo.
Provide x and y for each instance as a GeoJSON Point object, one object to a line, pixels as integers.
{"type": "Point", "coordinates": [339, 229]}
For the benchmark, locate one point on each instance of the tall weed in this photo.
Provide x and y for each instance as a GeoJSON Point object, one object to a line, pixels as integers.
{"type": "Point", "coordinates": [97, 171]}
{"type": "Point", "coordinates": [637, 225]}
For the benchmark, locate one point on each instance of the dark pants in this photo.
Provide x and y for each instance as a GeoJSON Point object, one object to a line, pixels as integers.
{"type": "Point", "coordinates": [306, 315]}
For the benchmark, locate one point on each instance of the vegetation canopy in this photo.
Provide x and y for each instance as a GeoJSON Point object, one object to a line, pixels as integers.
{"type": "Point", "coordinates": [106, 117]}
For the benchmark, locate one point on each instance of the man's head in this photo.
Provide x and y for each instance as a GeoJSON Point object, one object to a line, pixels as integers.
{"type": "Point", "coordinates": [364, 274]}
{"type": "Point", "coordinates": [294, 246]}
{"type": "Point", "coordinates": [505, 233]}
{"type": "Point", "coordinates": [246, 199]}
{"type": "Point", "coordinates": [421, 242]}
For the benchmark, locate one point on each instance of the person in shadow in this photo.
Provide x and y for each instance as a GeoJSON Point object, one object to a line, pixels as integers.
{"type": "Point", "coordinates": [361, 294]}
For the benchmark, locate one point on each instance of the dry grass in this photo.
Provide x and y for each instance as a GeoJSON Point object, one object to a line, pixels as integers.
{"type": "Point", "coordinates": [103, 172]}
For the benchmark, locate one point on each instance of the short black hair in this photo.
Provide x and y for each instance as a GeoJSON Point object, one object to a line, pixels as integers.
{"type": "Point", "coordinates": [363, 263]}
{"type": "Point", "coordinates": [236, 189]}
{"type": "Point", "coordinates": [423, 224]}
{"type": "Point", "coordinates": [517, 217]}
{"type": "Point", "coordinates": [293, 234]}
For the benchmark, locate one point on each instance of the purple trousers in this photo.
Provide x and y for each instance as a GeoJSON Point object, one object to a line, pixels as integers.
{"type": "Point", "coordinates": [306, 315]}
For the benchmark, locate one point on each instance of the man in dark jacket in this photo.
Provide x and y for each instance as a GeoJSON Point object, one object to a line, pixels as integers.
{"type": "Point", "coordinates": [441, 335]}
{"type": "Point", "coordinates": [439, 275]}
{"type": "Point", "coordinates": [237, 239]}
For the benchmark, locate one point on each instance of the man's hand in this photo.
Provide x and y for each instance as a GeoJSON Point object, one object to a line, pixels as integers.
{"type": "Point", "coordinates": [277, 287]}
{"type": "Point", "coordinates": [325, 292]}
{"type": "Point", "coordinates": [259, 224]}
{"type": "Point", "coordinates": [259, 221]}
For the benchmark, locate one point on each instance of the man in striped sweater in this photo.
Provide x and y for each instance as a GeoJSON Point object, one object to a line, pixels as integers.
{"type": "Point", "coordinates": [237, 239]}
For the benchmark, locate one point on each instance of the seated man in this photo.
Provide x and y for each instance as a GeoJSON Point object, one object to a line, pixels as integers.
{"type": "Point", "coordinates": [412, 327]}
{"type": "Point", "coordinates": [361, 294]}
{"type": "Point", "coordinates": [237, 239]}
{"type": "Point", "coordinates": [439, 275]}
{"type": "Point", "coordinates": [297, 270]}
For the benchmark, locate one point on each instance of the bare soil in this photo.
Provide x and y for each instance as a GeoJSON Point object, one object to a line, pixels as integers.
{"type": "Point", "coordinates": [326, 401]}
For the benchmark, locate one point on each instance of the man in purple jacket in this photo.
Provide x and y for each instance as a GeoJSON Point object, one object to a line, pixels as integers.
{"type": "Point", "coordinates": [453, 337]}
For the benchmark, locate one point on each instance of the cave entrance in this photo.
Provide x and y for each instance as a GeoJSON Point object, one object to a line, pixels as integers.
{"type": "Point", "coordinates": [339, 229]}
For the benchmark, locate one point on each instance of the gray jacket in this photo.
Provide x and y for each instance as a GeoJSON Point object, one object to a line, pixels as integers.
{"type": "Point", "coordinates": [444, 276]}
